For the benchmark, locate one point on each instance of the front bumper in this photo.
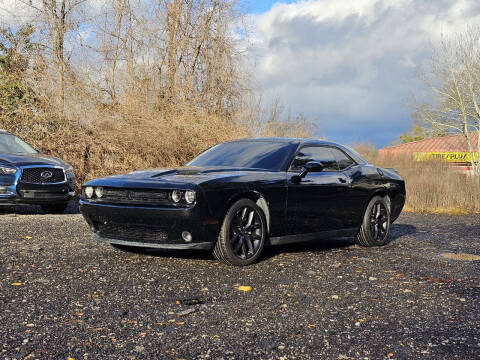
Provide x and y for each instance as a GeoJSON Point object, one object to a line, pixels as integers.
{"type": "Point", "coordinates": [197, 246]}
{"type": "Point", "coordinates": [16, 190]}
{"type": "Point", "coordinates": [152, 227]}
{"type": "Point", "coordinates": [35, 194]}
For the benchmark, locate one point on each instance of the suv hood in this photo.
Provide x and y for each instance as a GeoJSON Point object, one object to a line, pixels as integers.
{"type": "Point", "coordinates": [30, 159]}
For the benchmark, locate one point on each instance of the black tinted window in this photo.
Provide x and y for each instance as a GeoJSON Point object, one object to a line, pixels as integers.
{"type": "Point", "coordinates": [315, 153]}
{"type": "Point", "coordinates": [249, 154]}
{"type": "Point", "coordinates": [343, 160]}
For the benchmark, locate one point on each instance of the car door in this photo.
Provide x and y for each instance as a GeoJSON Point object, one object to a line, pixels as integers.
{"type": "Point", "coordinates": [314, 202]}
{"type": "Point", "coordinates": [355, 196]}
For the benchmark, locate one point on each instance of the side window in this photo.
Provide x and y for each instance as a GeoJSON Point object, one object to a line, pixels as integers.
{"type": "Point", "coordinates": [321, 154]}
{"type": "Point", "coordinates": [343, 160]}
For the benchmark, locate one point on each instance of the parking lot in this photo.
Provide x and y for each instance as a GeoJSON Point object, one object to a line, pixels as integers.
{"type": "Point", "coordinates": [63, 295]}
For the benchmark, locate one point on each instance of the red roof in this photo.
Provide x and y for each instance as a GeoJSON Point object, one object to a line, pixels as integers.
{"type": "Point", "coordinates": [451, 143]}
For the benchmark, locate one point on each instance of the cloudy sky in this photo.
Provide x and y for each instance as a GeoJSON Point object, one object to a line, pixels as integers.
{"type": "Point", "coordinates": [351, 64]}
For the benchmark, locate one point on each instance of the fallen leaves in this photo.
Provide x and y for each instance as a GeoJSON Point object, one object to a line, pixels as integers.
{"type": "Point", "coordinates": [186, 312]}
{"type": "Point", "coordinates": [360, 321]}
{"type": "Point", "coordinates": [244, 288]}
{"type": "Point", "coordinates": [189, 301]}
{"type": "Point", "coordinates": [461, 256]}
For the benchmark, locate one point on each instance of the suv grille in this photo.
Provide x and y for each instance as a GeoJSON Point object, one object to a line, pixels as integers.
{"type": "Point", "coordinates": [42, 175]}
{"type": "Point", "coordinates": [130, 232]}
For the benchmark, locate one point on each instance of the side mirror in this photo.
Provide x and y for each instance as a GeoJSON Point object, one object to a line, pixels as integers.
{"type": "Point", "coordinates": [311, 166]}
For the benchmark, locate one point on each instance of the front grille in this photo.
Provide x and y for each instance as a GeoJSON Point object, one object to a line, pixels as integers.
{"type": "Point", "coordinates": [131, 232]}
{"type": "Point", "coordinates": [121, 196]}
{"type": "Point", "coordinates": [43, 195]}
{"type": "Point", "coordinates": [42, 175]}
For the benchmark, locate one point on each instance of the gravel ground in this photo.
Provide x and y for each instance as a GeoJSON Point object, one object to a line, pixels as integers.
{"type": "Point", "coordinates": [64, 295]}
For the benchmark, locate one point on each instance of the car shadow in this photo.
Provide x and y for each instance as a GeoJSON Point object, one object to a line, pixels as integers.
{"type": "Point", "coordinates": [178, 254]}
{"type": "Point", "coordinates": [399, 230]}
{"type": "Point", "coordinates": [35, 209]}
{"type": "Point", "coordinates": [318, 245]}
{"type": "Point", "coordinates": [268, 252]}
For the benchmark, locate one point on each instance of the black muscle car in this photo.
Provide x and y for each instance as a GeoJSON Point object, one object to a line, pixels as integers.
{"type": "Point", "coordinates": [239, 196]}
{"type": "Point", "coordinates": [29, 177]}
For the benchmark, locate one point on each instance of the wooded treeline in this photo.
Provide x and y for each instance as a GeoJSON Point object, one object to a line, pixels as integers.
{"type": "Point", "coordinates": [117, 85]}
{"type": "Point", "coordinates": [452, 81]}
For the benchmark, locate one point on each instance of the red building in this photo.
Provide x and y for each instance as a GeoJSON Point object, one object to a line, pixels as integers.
{"type": "Point", "coordinates": [452, 148]}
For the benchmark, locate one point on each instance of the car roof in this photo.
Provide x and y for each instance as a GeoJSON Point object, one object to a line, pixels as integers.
{"type": "Point", "coordinates": [303, 141]}
{"type": "Point", "coordinates": [4, 131]}
{"type": "Point", "coordinates": [289, 140]}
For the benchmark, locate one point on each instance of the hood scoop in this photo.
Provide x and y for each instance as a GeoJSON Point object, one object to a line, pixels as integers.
{"type": "Point", "coordinates": [188, 172]}
{"type": "Point", "coordinates": [179, 171]}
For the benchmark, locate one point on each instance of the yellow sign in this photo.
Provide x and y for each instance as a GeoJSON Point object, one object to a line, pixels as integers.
{"type": "Point", "coordinates": [445, 156]}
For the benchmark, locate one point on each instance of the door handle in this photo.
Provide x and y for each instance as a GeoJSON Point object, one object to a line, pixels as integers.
{"type": "Point", "coordinates": [342, 180]}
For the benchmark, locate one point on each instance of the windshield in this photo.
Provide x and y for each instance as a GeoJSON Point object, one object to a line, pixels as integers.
{"type": "Point", "coordinates": [248, 154]}
{"type": "Point", "coordinates": [10, 144]}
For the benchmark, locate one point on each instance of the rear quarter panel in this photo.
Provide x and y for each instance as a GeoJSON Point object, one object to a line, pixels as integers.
{"type": "Point", "coordinates": [369, 181]}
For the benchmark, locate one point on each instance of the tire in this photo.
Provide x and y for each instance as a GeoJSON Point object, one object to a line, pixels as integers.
{"type": "Point", "coordinates": [242, 236]}
{"type": "Point", "coordinates": [376, 223]}
{"type": "Point", "coordinates": [54, 208]}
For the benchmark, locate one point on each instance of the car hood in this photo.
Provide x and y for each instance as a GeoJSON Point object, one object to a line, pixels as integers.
{"type": "Point", "coordinates": [30, 159]}
{"type": "Point", "coordinates": [171, 178]}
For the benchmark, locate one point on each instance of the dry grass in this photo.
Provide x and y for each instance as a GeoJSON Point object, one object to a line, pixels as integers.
{"type": "Point", "coordinates": [432, 186]}
{"type": "Point", "coordinates": [106, 147]}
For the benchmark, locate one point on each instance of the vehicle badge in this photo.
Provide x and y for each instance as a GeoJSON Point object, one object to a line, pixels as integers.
{"type": "Point", "coordinates": [46, 174]}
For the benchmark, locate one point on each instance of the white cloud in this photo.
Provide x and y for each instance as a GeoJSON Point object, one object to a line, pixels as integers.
{"type": "Point", "coordinates": [352, 63]}
{"type": "Point", "coordinates": [14, 12]}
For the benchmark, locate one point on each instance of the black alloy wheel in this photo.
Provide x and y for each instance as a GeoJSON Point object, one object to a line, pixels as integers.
{"type": "Point", "coordinates": [376, 223]}
{"type": "Point", "coordinates": [242, 235]}
{"type": "Point", "coordinates": [246, 232]}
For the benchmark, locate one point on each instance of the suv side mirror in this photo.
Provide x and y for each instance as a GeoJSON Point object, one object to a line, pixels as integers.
{"type": "Point", "coordinates": [312, 166]}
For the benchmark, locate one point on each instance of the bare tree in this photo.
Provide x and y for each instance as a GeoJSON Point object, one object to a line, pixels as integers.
{"type": "Point", "coordinates": [453, 78]}
{"type": "Point", "coordinates": [60, 18]}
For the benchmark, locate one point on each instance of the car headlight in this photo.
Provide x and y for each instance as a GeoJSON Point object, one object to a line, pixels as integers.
{"type": "Point", "coordinates": [99, 191]}
{"type": "Point", "coordinates": [89, 192]}
{"type": "Point", "coordinates": [190, 196]}
{"type": "Point", "coordinates": [176, 196]}
{"type": "Point", "coordinates": [5, 170]}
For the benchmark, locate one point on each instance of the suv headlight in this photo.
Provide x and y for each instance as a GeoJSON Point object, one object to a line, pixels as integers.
{"type": "Point", "coordinates": [6, 170]}
{"type": "Point", "coordinates": [69, 171]}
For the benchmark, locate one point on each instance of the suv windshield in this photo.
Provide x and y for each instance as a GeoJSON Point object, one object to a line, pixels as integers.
{"type": "Point", "coordinates": [10, 144]}
{"type": "Point", "coordinates": [248, 154]}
